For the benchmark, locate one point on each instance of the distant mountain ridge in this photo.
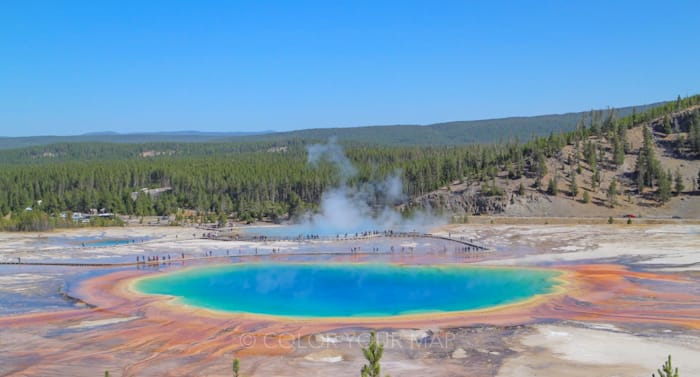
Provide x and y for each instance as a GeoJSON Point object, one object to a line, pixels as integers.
{"type": "Point", "coordinates": [450, 133]}
{"type": "Point", "coordinates": [445, 133]}
{"type": "Point", "coordinates": [129, 138]}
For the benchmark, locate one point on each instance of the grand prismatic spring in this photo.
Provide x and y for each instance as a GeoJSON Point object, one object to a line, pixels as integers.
{"type": "Point", "coordinates": [347, 290]}
{"type": "Point", "coordinates": [538, 300]}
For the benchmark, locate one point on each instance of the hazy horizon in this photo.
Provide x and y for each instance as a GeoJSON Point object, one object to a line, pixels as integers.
{"type": "Point", "coordinates": [251, 132]}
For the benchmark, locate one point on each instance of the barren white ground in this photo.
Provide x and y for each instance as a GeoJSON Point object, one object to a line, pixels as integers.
{"type": "Point", "coordinates": [558, 349]}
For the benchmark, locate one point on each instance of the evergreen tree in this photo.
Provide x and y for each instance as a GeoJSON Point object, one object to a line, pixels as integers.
{"type": "Point", "coordinates": [521, 189]}
{"type": "Point", "coordinates": [694, 133]}
{"type": "Point", "coordinates": [586, 197]}
{"type": "Point", "coordinates": [612, 192]}
{"type": "Point", "coordinates": [595, 180]}
{"type": "Point", "coordinates": [552, 188]}
{"type": "Point", "coordinates": [667, 370]}
{"type": "Point", "coordinates": [595, 122]}
{"type": "Point", "coordinates": [538, 182]}
{"type": "Point", "coordinates": [664, 190]}
{"type": "Point", "coordinates": [622, 137]}
{"type": "Point", "coordinates": [679, 182]}
{"type": "Point", "coordinates": [603, 162]}
{"type": "Point", "coordinates": [373, 353]}
{"type": "Point", "coordinates": [609, 124]}
{"type": "Point", "coordinates": [573, 187]}
{"type": "Point", "coordinates": [590, 154]}
{"type": "Point", "coordinates": [540, 165]}
{"type": "Point", "coordinates": [236, 367]}
{"type": "Point", "coordinates": [667, 125]}
{"type": "Point", "coordinates": [647, 168]}
{"type": "Point", "coordinates": [618, 151]}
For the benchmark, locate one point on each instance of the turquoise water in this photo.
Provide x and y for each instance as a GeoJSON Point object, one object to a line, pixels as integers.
{"type": "Point", "coordinates": [347, 290]}
{"type": "Point", "coordinates": [110, 242]}
{"type": "Point", "coordinates": [93, 241]}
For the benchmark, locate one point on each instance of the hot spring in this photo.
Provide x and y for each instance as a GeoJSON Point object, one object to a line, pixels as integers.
{"type": "Point", "coordinates": [348, 290]}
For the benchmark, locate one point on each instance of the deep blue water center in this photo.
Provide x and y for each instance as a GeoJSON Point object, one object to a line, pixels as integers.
{"type": "Point", "coordinates": [347, 290]}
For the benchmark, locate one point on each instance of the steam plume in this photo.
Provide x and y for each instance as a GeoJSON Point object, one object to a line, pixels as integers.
{"type": "Point", "coordinates": [346, 209]}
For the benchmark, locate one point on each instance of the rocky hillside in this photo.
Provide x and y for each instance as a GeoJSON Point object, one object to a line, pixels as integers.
{"type": "Point", "coordinates": [577, 179]}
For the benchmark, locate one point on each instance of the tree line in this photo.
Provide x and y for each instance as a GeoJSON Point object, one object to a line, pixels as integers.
{"type": "Point", "coordinates": [271, 180]}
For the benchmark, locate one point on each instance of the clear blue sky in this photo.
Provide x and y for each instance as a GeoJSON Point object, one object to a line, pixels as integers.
{"type": "Point", "coordinates": [69, 67]}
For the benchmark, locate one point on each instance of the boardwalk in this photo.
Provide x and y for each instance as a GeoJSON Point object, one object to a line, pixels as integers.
{"type": "Point", "coordinates": [116, 264]}
{"type": "Point", "coordinates": [469, 246]}
{"type": "Point", "coordinates": [473, 246]}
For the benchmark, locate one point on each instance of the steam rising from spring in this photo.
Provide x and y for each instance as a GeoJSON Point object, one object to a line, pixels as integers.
{"type": "Point", "coordinates": [333, 153]}
{"type": "Point", "coordinates": [371, 206]}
